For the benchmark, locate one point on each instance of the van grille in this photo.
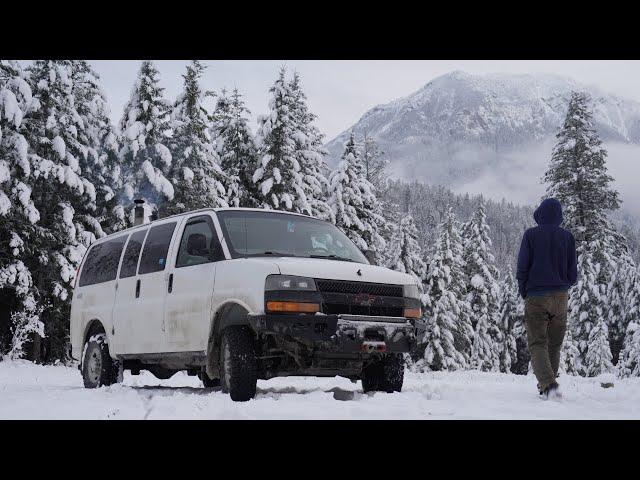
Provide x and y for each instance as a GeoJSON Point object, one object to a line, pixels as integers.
{"type": "Point", "coordinates": [361, 298]}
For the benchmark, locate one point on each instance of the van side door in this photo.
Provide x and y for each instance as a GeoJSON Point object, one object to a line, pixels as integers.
{"type": "Point", "coordinates": [126, 301]}
{"type": "Point", "coordinates": [151, 289]}
{"type": "Point", "coordinates": [188, 306]}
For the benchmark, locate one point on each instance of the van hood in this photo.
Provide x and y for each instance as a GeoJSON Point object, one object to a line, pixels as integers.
{"type": "Point", "coordinates": [337, 270]}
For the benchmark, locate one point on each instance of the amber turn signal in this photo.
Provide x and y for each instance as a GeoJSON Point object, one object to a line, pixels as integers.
{"type": "Point", "coordinates": [412, 312]}
{"type": "Point", "coordinates": [292, 307]}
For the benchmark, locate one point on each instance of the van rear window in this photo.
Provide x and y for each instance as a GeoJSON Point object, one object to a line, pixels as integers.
{"type": "Point", "coordinates": [102, 262]}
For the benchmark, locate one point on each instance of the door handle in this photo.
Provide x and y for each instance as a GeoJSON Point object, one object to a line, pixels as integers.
{"type": "Point", "coordinates": [170, 283]}
{"type": "Point", "coordinates": [138, 288]}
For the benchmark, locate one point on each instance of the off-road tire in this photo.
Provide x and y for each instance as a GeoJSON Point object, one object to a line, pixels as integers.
{"type": "Point", "coordinates": [238, 365]}
{"type": "Point", "coordinates": [384, 375]}
{"type": "Point", "coordinates": [208, 382]}
{"type": "Point", "coordinates": [98, 368]}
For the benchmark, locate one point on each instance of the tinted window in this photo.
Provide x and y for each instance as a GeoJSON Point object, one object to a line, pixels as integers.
{"type": "Point", "coordinates": [156, 246]}
{"type": "Point", "coordinates": [199, 243]}
{"type": "Point", "coordinates": [131, 254]}
{"type": "Point", "coordinates": [102, 262]}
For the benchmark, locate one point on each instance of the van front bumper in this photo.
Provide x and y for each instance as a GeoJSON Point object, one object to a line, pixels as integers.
{"type": "Point", "coordinates": [340, 333]}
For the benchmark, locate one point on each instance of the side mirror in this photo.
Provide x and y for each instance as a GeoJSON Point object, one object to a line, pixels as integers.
{"type": "Point", "coordinates": [371, 256]}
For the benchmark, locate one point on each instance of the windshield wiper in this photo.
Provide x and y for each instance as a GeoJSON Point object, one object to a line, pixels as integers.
{"type": "Point", "coordinates": [332, 257]}
{"type": "Point", "coordinates": [275, 254]}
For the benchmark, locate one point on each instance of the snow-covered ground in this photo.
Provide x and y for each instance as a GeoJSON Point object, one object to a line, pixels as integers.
{"type": "Point", "coordinates": [29, 391]}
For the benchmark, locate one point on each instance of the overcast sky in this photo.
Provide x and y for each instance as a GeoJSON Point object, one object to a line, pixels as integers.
{"type": "Point", "coordinates": [340, 91]}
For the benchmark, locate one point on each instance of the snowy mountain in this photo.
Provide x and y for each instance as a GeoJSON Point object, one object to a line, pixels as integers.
{"type": "Point", "coordinates": [458, 124]}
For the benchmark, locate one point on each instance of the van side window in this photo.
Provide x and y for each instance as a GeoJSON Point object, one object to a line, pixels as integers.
{"type": "Point", "coordinates": [102, 262]}
{"type": "Point", "coordinates": [199, 243]}
{"type": "Point", "coordinates": [131, 254]}
{"type": "Point", "coordinates": [154, 254]}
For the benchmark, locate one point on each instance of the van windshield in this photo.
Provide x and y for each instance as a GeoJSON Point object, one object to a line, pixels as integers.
{"type": "Point", "coordinates": [251, 233]}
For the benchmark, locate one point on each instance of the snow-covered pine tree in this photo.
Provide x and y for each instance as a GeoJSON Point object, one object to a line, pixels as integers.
{"type": "Point", "coordinates": [145, 158]}
{"type": "Point", "coordinates": [236, 148]}
{"type": "Point", "coordinates": [629, 362]}
{"type": "Point", "coordinates": [404, 253]}
{"type": "Point", "coordinates": [521, 366]}
{"type": "Point", "coordinates": [598, 357]}
{"type": "Point", "coordinates": [621, 295]}
{"type": "Point", "coordinates": [577, 175]}
{"type": "Point", "coordinates": [588, 298]}
{"type": "Point", "coordinates": [309, 154]}
{"type": "Point", "coordinates": [447, 342]}
{"type": "Point", "coordinates": [355, 206]}
{"type": "Point", "coordinates": [100, 164]}
{"type": "Point", "coordinates": [19, 311]}
{"type": "Point", "coordinates": [374, 162]}
{"type": "Point", "coordinates": [508, 317]}
{"type": "Point", "coordinates": [278, 179]}
{"type": "Point", "coordinates": [64, 200]}
{"type": "Point", "coordinates": [570, 363]}
{"type": "Point", "coordinates": [629, 359]}
{"type": "Point", "coordinates": [481, 293]}
{"type": "Point", "coordinates": [196, 175]}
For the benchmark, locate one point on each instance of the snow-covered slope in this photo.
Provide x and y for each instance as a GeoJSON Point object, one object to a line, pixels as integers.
{"type": "Point", "coordinates": [451, 128]}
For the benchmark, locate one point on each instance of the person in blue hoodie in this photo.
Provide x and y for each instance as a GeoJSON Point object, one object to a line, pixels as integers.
{"type": "Point", "coordinates": [547, 268]}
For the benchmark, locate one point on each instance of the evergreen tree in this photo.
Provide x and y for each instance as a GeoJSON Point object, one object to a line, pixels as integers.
{"type": "Point", "coordinates": [278, 174]}
{"type": "Point", "coordinates": [309, 153]}
{"type": "Point", "coordinates": [482, 289]}
{"type": "Point", "coordinates": [64, 201]}
{"type": "Point", "coordinates": [375, 164]}
{"type": "Point", "coordinates": [146, 160]}
{"type": "Point", "coordinates": [403, 253]}
{"type": "Point", "coordinates": [629, 363]}
{"type": "Point", "coordinates": [354, 203]}
{"type": "Point", "coordinates": [570, 362]}
{"type": "Point", "coordinates": [620, 293]}
{"type": "Point", "coordinates": [507, 321]}
{"type": "Point", "coordinates": [236, 148]}
{"type": "Point", "coordinates": [447, 342]}
{"type": "Point", "coordinates": [99, 164]}
{"type": "Point", "coordinates": [195, 173]}
{"type": "Point", "coordinates": [19, 312]}
{"type": "Point", "coordinates": [521, 366]}
{"type": "Point", "coordinates": [598, 357]}
{"type": "Point", "coordinates": [629, 359]}
{"type": "Point", "coordinates": [577, 175]}
{"type": "Point", "coordinates": [588, 297]}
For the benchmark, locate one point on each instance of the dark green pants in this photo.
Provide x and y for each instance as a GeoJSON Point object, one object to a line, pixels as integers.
{"type": "Point", "coordinates": [546, 320]}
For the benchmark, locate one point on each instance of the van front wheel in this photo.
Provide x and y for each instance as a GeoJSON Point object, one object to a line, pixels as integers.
{"type": "Point", "coordinates": [238, 363]}
{"type": "Point", "coordinates": [98, 368]}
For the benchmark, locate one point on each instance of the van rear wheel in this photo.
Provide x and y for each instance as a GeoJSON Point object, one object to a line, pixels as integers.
{"type": "Point", "coordinates": [238, 363]}
{"type": "Point", "coordinates": [98, 368]}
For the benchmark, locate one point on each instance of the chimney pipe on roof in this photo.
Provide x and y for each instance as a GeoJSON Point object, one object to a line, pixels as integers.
{"type": "Point", "coordinates": [138, 212]}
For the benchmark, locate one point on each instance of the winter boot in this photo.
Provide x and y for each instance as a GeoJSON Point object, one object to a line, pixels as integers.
{"type": "Point", "coordinates": [552, 391]}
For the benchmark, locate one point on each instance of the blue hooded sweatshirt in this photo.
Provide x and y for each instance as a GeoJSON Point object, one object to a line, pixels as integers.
{"type": "Point", "coordinates": [547, 259]}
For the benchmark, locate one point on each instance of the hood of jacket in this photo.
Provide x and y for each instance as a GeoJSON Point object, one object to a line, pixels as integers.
{"type": "Point", "coordinates": [549, 212]}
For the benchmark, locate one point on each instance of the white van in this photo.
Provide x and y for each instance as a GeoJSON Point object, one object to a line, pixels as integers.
{"type": "Point", "coordinates": [233, 295]}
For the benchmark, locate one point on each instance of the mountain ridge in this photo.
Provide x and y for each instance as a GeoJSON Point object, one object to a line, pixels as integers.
{"type": "Point", "coordinates": [458, 124]}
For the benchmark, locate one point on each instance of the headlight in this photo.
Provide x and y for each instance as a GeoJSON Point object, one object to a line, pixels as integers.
{"type": "Point", "coordinates": [289, 282]}
{"type": "Point", "coordinates": [411, 291]}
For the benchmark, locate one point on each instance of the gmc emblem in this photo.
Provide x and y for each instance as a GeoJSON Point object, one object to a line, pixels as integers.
{"type": "Point", "coordinates": [364, 299]}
